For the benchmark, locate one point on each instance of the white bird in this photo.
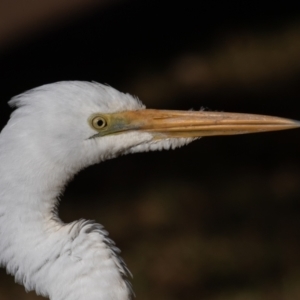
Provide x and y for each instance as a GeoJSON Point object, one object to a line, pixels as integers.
{"type": "Point", "coordinates": [56, 131]}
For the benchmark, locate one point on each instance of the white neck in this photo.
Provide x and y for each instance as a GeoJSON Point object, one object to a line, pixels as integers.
{"type": "Point", "coordinates": [61, 261]}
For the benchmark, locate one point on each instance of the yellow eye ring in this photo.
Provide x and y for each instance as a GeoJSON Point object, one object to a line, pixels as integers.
{"type": "Point", "coordinates": [99, 122]}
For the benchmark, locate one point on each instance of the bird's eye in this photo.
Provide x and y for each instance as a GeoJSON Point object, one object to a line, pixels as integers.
{"type": "Point", "coordinates": [98, 122]}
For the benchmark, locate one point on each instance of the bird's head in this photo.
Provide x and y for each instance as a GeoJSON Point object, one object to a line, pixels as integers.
{"type": "Point", "coordinates": [81, 123]}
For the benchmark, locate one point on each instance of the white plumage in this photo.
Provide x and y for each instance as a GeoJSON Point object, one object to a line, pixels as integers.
{"type": "Point", "coordinates": [51, 136]}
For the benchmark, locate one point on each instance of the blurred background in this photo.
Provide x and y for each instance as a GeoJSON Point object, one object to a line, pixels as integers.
{"type": "Point", "coordinates": [219, 219]}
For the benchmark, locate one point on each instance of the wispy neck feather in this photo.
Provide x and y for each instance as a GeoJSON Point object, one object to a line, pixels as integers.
{"type": "Point", "coordinates": [61, 261]}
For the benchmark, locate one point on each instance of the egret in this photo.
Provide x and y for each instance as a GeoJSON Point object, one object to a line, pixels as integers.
{"type": "Point", "coordinates": [57, 130]}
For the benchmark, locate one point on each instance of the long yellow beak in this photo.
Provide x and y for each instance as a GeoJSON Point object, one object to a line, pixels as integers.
{"type": "Point", "coordinates": [176, 124]}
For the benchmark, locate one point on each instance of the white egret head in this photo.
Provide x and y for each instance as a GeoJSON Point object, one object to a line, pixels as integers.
{"type": "Point", "coordinates": [78, 123]}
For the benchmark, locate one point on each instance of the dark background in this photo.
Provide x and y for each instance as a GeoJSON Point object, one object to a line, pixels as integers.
{"type": "Point", "coordinates": [219, 219]}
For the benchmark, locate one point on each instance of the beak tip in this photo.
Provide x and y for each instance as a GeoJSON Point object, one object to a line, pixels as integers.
{"type": "Point", "coordinates": [295, 123]}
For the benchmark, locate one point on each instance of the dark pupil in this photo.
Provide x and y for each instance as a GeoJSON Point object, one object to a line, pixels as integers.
{"type": "Point", "coordinates": [100, 122]}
